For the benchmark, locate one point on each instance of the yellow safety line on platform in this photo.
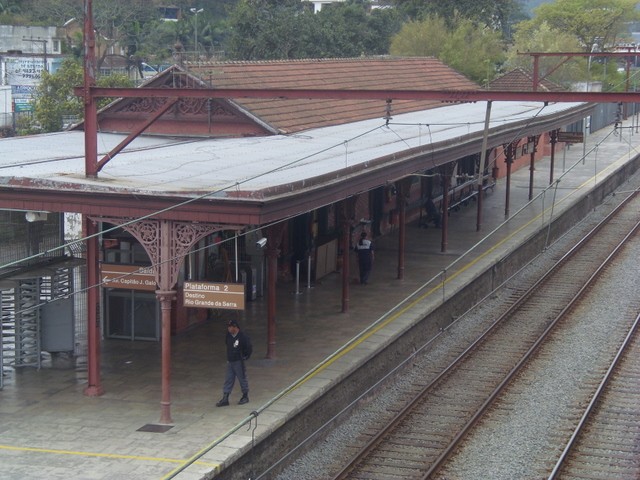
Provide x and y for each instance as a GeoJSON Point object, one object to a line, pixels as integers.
{"type": "Point", "coordinates": [103, 455]}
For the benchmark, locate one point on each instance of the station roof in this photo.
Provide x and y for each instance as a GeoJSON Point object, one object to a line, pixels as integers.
{"type": "Point", "coordinates": [222, 160]}
{"type": "Point", "coordinates": [315, 167]}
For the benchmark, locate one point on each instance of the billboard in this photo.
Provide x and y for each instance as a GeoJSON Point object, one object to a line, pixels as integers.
{"type": "Point", "coordinates": [23, 70]}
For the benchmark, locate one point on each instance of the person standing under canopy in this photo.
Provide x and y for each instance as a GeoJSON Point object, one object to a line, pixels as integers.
{"type": "Point", "coordinates": [365, 257]}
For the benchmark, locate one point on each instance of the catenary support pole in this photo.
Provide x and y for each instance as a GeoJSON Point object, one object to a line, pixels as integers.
{"type": "Point", "coordinates": [483, 162]}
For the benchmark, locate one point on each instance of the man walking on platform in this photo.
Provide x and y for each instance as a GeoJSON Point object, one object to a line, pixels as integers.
{"type": "Point", "coordinates": [239, 349]}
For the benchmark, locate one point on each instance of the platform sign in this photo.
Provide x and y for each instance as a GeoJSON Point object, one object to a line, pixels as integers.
{"type": "Point", "coordinates": [130, 277]}
{"type": "Point", "coordinates": [229, 296]}
{"type": "Point", "coordinates": [571, 137]}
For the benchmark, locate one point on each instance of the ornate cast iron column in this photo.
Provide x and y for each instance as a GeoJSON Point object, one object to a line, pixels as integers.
{"type": "Point", "coordinates": [533, 140]}
{"type": "Point", "coordinates": [94, 387]}
{"type": "Point", "coordinates": [347, 214]}
{"type": "Point", "coordinates": [446, 173]}
{"type": "Point", "coordinates": [554, 139]}
{"type": "Point", "coordinates": [166, 242]}
{"type": "Point", "coordinates": [510, 152]}
{"type": "Point", "coordinates": [402, 189]}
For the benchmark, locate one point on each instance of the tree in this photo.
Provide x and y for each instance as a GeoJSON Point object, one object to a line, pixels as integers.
{"type": "Point", "coordinates": [475, 52]}
{"type": "Point", "coordinates": [10, 7]}
{"type": "Point", "coordinates": [347, 29]}
{"type": "Point", "coordinates": [264, 29]}
{"type": "Point", "coordinates": [496, 14]}
{"type": "Point", "coordinates": [543, 38]}
{"type": "Point", "coordinates": [471, 50]}
{"type": "Point", "coordinates": [283, 29]}
{"type": "Point", "coordinates": [592, 22]}
{"type": "Point", "coordinates": [118, 23]}
{"type": "Point", "coordinates": [420, 39]}
{"type": "Point", "coordinates": [55, 98]}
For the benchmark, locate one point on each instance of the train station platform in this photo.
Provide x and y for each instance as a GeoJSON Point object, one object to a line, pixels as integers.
{"type": "Point", "coordinates": [49, 429]}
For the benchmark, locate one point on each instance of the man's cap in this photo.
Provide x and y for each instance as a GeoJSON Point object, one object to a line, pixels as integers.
{"type": "Point", "coordinates": [233, 323]}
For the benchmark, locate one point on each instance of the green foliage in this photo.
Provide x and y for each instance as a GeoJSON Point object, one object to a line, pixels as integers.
{"type": "Point", "coordinates": [10, 6]}
{"type": "Point", "coordinates": [421, 39]}
{"type": "Point", "coordinates": [542, 38]}
{"type": "Point", "coordinates": [266, 30]}
{"type": "Point", "coordinates": [474, 51]}
{"type": "Point", "coordinates": [592, 22]}
{"type": "Point", "coordinates": [496, 14]}
{"type": "Point", "coordinates": [116, 22]}
{"type": "Point", "coordinates": [346, 30]}
{"type": "Point", "coordinates": [574, 26]}
{"type": "Point", "coordinates": [26, 126]}
{"type": "Point", "coordinates": [263, 30]}
{"type": "Point", "coordinates": [55, 97]}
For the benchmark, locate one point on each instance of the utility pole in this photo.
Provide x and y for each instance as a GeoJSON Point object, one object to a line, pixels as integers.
{"type": "Point", "coordinates": [196, 11]}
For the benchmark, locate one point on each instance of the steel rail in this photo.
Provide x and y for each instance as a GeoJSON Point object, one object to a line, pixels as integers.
{"type": "Point", "coordinates": [596, 397]}
{"type": "Point", "coordinates": [462, 433]}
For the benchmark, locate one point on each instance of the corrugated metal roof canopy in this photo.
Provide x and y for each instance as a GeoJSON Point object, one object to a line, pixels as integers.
{"type": "Point", "coordinates": [272, 176]}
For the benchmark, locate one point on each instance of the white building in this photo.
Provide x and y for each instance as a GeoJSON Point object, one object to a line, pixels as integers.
{"type": "Point", "coordinates": [317, 4]}
{"type": "Point", "coordinates": [25, 52]}
{"type": "Point", "coordinates": [18, 39]}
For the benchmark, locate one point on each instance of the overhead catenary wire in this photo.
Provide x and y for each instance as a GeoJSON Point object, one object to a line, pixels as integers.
{"type": "Point", "coordinates": [185, 202]}
{"type": "Point", "coordinates": [137, 219]}
{"type": "Point", "coordinates": [236, 186]}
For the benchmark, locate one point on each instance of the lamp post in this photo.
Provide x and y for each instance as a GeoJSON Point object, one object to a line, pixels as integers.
{"type": "Point", "coordinates": [196, 11]}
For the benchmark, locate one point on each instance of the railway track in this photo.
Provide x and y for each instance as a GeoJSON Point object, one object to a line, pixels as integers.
{"type": "Point", "coordinates": [429, 428]}
{"type": "Point", "coordinates": [604, 444]}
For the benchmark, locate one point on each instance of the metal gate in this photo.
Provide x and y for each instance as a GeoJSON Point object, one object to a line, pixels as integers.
{"type": "Point", "coordinates": [21, 324]}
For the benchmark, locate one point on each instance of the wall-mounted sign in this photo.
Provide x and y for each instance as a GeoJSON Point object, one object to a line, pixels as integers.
{"type": "Point", "coordinates": [131, 277]}
{"type": "Point", "coordinates": [229, 296]}
{"type": "Point", "coordinates": [22, 105]}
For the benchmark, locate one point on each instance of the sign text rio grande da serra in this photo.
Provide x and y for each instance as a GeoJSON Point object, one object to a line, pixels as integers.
{"type": "Point", "coordinates": [228, 296]}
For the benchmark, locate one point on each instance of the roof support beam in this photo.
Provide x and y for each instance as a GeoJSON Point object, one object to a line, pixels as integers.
{"type": "Point", "coordinates": [134, 134]}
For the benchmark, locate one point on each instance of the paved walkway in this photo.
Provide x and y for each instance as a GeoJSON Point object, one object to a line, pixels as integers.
{"type": "Point", "coordinates": [49, 429]}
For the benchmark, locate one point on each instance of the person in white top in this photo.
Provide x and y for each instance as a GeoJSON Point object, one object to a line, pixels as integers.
{"type": "Point", "coordinates": [365, 257]}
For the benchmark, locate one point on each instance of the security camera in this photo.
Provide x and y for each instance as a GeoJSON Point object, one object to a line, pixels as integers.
{"type": "Point", "coordinates": [35, 216]}
{"type": "Point", "coordinates": [261, 243]}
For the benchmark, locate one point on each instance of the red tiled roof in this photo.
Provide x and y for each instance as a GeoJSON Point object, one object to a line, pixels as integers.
{"type": "Point", "coordinates": [520, 80]}
{"type": "Point", "coordinates": [289, 116]}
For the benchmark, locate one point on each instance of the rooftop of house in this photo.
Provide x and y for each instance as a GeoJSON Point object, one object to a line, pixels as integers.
{"type": "Point", "coordinates": [521, 80]}
{"type": "Point", "coordinates": [379, 73]}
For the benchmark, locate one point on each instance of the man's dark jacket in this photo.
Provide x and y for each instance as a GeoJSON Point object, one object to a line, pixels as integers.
{"type": "Point", "coordinates": [238, 347]}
